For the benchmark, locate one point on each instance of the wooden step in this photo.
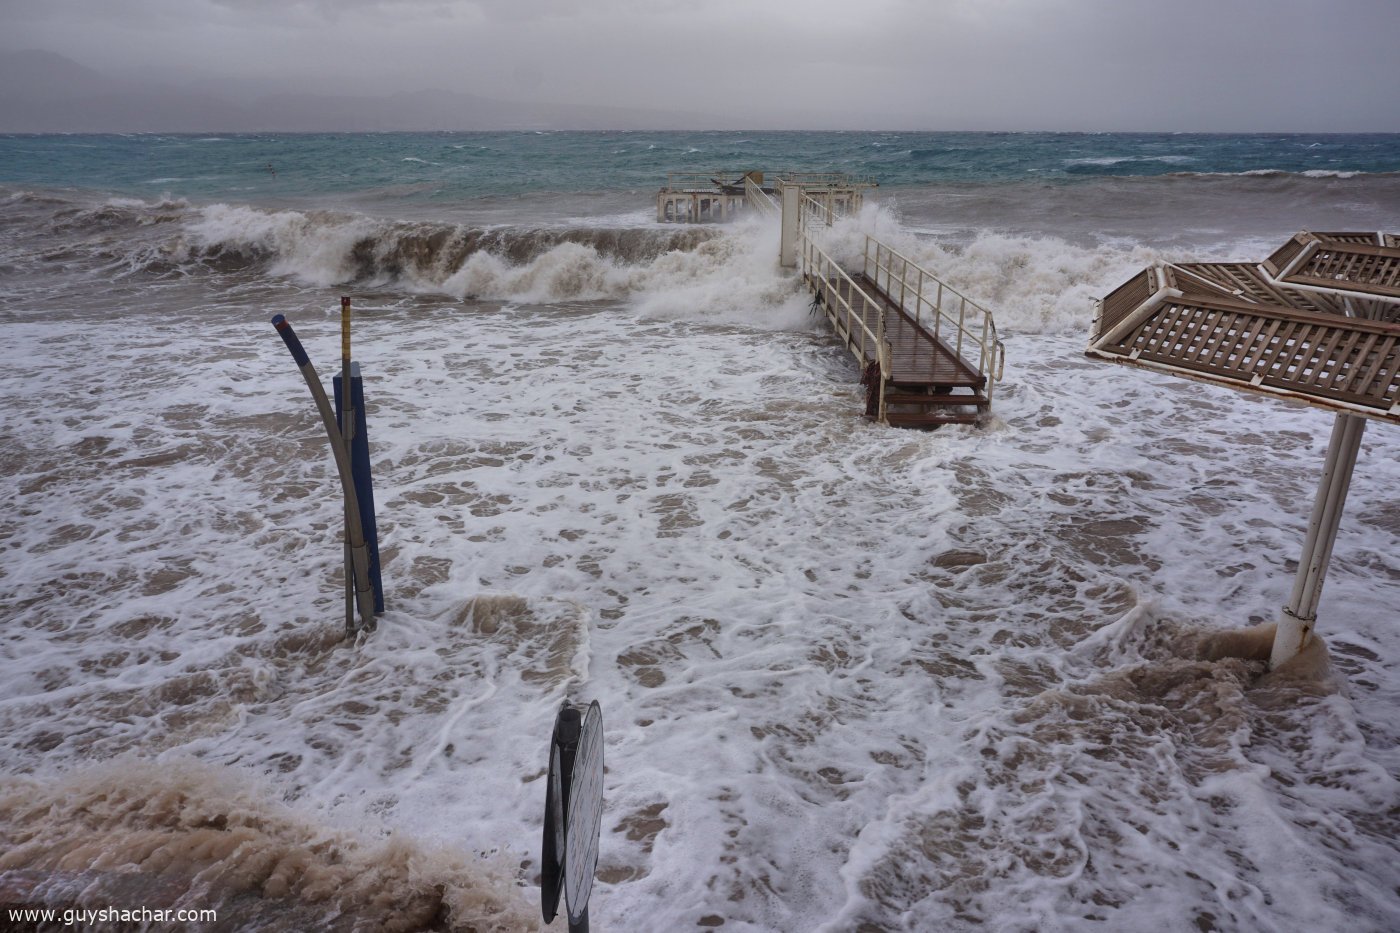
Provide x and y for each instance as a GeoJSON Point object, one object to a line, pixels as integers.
{"type": "Point", "coordinates": [944, 399]}
{"type": "Point", "coordinates": [975, 384]}
{"type": "Point", "coordinates": [931, 420]}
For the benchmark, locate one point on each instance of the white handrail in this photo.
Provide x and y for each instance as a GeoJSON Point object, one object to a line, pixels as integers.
{"type": "Point", "coordinates": [819, 270]}
{"type": "Point", "coordinates": [893, 272]}
{"type": "Point", "coordinates": [905, 283]}
{"type": "Point", "coordinates": [759, 199]}
{"type": "Point", "coordinates": [810, 204]}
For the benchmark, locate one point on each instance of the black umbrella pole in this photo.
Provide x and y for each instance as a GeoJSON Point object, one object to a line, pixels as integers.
{"type": "Point", "coordinates": [364, 594]}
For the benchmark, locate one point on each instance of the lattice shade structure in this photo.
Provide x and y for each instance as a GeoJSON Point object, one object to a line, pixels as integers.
{"type": "Point", "coordinates": [1362, 269]}
{"type": "Point", "coordinates": [1318, 321]}
{"type": "Point", "coordinates": [1238, 325]}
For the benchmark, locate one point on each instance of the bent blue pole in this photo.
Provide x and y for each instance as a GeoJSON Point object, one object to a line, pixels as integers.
{"type": "Point", "coordinates": [364, 479]}
{"type": "Point", "coordinates": [364, 596]}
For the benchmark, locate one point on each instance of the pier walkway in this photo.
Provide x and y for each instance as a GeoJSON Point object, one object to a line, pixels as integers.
{"type": "Point", "coordinates": [929, 355]}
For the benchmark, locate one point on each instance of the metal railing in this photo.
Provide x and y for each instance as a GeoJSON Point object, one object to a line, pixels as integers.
{"type": "Point", "coordinates": [706, 181]}
{"type": "Point", "coordinates": [952, 317]}
{"type": "Point", "coordinates": [825, 180]}
{"type": "Point", "coordinates": [812, 212]}
{"type": "Point", "coordinates": [760, 200]}
{"type": "Point", "coordinates": [848, 308]}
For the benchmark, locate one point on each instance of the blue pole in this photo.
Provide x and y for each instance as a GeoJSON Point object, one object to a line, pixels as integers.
{"type": "Point", "coordinates": [364, 596]}
{"type": "Point", "coordinates": [364, 481]}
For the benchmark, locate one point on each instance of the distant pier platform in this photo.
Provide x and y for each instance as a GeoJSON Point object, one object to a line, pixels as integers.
{"type": "Point", "coordinates": [718, 196]}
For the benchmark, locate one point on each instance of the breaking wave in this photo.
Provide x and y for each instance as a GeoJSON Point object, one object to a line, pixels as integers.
{"type": "Point", "coordinates": [322, 248]}
{"type": "Point", "coordinates": [1037, 284]}
{"type": "Point", "coordinates": [1033, 283]}
{"type": "Point", "coordinates": [1282, 173]}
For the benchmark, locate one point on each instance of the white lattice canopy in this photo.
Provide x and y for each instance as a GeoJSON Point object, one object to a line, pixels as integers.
{"type": "Point", "coordinates": [1318, 321]}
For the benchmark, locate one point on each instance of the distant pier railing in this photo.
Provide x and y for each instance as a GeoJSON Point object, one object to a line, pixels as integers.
{"type": "Point", "coordinates": [707, 197]}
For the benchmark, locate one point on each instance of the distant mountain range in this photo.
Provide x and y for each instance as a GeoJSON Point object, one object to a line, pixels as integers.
{"type": "Point", "coordinates": [43, 92]}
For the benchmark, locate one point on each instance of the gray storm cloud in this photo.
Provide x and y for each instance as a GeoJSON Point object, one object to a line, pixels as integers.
{"type": "Point", "coordinates": [1225, 65]}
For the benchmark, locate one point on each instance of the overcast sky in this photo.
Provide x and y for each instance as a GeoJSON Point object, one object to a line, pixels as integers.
{"type": "Point", "coordinates": [1306, 65]}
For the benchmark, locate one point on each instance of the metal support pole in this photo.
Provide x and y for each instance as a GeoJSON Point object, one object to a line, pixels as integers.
{"type": "Point", "coordinates": [792, 208]}
{"type": "Point", "coordinates": [919, 307]}
{"type": "Point", "coordinates": [1299, 616]}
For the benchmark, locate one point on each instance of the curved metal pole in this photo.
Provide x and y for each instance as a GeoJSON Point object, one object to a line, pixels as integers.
{"type": "Point", "coordinates": [364, 595]}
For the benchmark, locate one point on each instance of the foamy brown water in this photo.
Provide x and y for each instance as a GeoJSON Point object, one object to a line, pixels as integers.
{"type": "Point", "coordinates": [133, 834]}
{"type": "Point", "coordinates": [852, 677]}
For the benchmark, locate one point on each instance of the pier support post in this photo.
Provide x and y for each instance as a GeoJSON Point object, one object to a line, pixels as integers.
{"type": "Point", "coordinates": [1296, 626]}
{"type": "Point", "coordinates": [792, 208]}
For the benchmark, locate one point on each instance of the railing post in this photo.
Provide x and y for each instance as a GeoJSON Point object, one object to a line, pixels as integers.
{"type": "Point", "coordinates": [881, 360]}
{"type": "Point", "coordinates": [986, 324]}
{"type": "Point", "coordinates": [919, 307]}
{"type": "Point", "coordinates": [903, 282]}
{"type": "Point", "coordinates": [962, 318]}
{"type": "Point", "coordinates": [885, 365]}
{"type": "Point", "coordinates": [938, 312]}
{"type": "Point", "coordinates": [864, 329]}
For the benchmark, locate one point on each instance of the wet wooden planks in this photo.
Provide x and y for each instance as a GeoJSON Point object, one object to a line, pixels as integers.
{"type": "Point", "coordinates": [917, 357]}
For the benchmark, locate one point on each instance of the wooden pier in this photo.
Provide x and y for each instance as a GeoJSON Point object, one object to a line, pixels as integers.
{"type": "Point", "coordinates": [928, 384]}
{"type": "Point", "coordinates": [929, 355]}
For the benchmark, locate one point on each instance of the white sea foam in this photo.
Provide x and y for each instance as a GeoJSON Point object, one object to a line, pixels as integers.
{"type": "Point", "coordinates": [850, 675]}
{"type": "Point", "coordinates": [1119, 160]}
{"type": "Point", "coordinates": [1278, 172]}
{"type": "Point", "coordinates": [1040, 284]}
{"type": "Point", "coordinates": [1032, 284]}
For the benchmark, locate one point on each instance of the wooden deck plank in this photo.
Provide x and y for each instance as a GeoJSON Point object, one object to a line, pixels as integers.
{"type": "Point", "coordinates": [917, 357]}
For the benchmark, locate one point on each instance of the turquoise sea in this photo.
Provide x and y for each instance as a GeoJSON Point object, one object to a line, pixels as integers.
{"type": "Point", "coordinates": [431, 168]}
